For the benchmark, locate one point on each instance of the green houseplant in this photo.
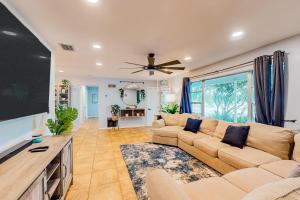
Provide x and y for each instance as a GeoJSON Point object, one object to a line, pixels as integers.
{"type": "Point", "coordinates": [170, 108]}
{"type": "Point", "coordinates": [65, 83]}
{"type": "Point", "coordinates": [64, 120]}
{"type": "Point", "coordinates": [115, 110]}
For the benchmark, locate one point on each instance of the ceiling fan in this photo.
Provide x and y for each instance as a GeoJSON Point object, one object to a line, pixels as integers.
{"type": "Point", "coordinates": [151, 67]}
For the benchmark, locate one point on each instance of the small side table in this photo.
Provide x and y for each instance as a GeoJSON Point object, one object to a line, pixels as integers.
{"type": "Point", "coordinates": [112, 123]}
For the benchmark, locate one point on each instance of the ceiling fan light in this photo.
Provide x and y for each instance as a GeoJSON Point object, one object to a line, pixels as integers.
{"type": "Point", "coordinates": [151, 73]}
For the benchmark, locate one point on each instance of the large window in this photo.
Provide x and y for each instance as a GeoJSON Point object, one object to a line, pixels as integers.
{"type": "Point", "coordinates": [196, 97]}
{"type": "Point", "coordinates": [227, 98]}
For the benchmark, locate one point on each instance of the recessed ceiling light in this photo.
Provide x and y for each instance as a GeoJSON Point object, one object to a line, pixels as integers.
{"type": "Point", "coordinates": [99, 64]}
{"type": "Point", "coordinates": [97, 46]}
{"type": "Point", "coordinates": [61, 71]}
{"type": "Point", "coordinates": [10, 33]}
{"type": "Point", "coordinates": [188, 58]}
{"type": "Point", "coordinates": [92, 1]}
{"type": "Point", "coordinates": [237, 34]}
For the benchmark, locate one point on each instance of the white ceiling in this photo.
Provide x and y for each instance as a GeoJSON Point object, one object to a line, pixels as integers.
{"type": "Point", "coordinates": [129, 29]}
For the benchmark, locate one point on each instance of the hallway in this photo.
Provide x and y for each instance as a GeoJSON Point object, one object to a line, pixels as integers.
{"type": "Point", "coordinates": [99, 170]}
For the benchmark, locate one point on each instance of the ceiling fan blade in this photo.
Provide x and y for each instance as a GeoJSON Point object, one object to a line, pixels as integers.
{"type": "Point", "coordinates": [164, 71]}
{"type": "Point", "coordinates": [137, 71]}
{"type": "Point", "coordinates": [135, 64]}
{"type": "Point", "coordinates": [174, 62]}
{"type": "Point", "coordinates": [173, 68]}
{"type": "Point", "coordinates": [131, 67]}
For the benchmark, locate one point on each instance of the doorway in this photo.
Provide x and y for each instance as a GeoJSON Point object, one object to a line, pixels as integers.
{"type": "Point", "coordinates": [92, 102]}
{"type": "Point", "coordinates": [153, 105]}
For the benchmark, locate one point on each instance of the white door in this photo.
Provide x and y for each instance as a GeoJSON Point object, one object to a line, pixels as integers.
{"type": "Point", "coordinates": [153, 105]}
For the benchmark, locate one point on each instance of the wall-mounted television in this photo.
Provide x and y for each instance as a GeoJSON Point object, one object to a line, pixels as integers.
{"type": "Point", "coordinates": [24, 70]}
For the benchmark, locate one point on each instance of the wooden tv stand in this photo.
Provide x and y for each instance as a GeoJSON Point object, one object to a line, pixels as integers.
{"type": "Point", "coordinates": [39, 176]}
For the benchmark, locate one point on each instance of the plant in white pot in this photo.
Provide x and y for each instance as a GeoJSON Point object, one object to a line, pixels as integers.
{"type": "Point", "coordinates": [115, 110]}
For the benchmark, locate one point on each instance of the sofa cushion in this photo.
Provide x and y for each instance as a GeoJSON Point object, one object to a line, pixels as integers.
{"type": "Point", "coordinates": [250, 178]}
{"type": "Point", "coordinates": [170, 119]}
{"type": "Point", "coordinates": [285, 189]}
{"type": "Point", "coordinates": [210, 145]}
{"type": "Point", "coordinates": [274, 140]}
{"type": "Point", "coordinates": [167, 131]}
{"type": "Point", "coordinates": [293, 195]}
{"type": "Point", "coordinates": [158, 123]}
{"type": "Point", "coordinates": [246, 157]}
{"type": "Point", "coordinates": [295, 172]}
{"type": "Point", "coordinates": [208, 126]}
{"type": "Point", "coordinates": [215, 188]}
{"type": "Point", "coordinates": [188, 137]}
{"type": "Point", "coordinates": [182, 118]}
{"type": "Point", "coordinates": [161, 186]}
{"type": "Point", "coordinates": [192, 125]}
{"type": "Point", "coordinates": [296, 153]}
{"type": "Point", "coordinates": [222, 127]}
{"type": "Point", "coordinates": [236, 135]}
{"type": "Point", "coordinates": [280, 168]}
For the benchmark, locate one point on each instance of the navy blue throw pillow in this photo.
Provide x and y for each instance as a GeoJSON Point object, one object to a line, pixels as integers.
{"type": "Point", "coordinates": [236, 136]}
{"type": "Point", "coordinates": [192, 125]}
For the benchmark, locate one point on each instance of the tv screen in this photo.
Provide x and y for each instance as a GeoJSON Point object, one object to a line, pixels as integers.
{"type": "Point", "coordinates": [24, 70]}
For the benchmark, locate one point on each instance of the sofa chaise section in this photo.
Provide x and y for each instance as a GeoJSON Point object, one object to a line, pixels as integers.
{"type": "Point", "coordinates": [160, 186]}
{"type": "Point", "coordinates": [244, 184]}
{"type": "Point", "coordinates": [166, 135]}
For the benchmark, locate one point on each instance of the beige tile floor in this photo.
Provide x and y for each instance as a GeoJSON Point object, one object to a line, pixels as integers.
{"type": "Point", "coordinates": [99, 169]}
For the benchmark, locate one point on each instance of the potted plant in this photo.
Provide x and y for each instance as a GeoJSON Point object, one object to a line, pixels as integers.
{"type": "Point", "coordinates": [65, 83]}
{"type": "Point", "coordinates": [170, 108]}
{"type": "Point", "coordinates": [64, 120]}
{"type": "Point", "coordinates": [115, 110]}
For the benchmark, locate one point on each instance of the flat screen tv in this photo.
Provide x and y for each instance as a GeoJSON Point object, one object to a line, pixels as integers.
{"type": "Point", "coordinates": [24, 69]}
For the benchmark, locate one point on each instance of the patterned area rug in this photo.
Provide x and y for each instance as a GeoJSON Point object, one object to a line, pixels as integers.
{"type": "Point", "coordinates": [140, 158]}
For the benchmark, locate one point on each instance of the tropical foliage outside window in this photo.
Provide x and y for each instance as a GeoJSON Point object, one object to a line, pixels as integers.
{"type": "Point", "coordinates": [196, 97]}
{"type": "Point", "coordinates": [225, 98]}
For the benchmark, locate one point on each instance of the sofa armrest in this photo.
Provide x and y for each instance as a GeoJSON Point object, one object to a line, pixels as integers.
{"type": "Point", "coordinates": [158, 123]}
{"type": "Point", "coordinates": [160, 186]}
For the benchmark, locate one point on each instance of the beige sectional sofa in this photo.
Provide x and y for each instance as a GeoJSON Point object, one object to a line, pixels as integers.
{"type": "Point", "coordinates": [264, 159]}
{"type": "Point", "coordinates": [265, 144]}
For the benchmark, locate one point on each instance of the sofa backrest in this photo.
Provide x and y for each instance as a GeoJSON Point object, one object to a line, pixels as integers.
{"type": "Point", "coordinates": [285, 189]}
{"type": "Point", "coordinates": [208, 126]}
{"type": "Point", "coordinates": [272, 139]}
{"type": "Point", "coordinates": [184, 117]}
{"type": "Point", "coordinates": [296, 152]}
{"type": "Point", "coordinates": [170, 119]}
{"type": "Point", "coordinates": [177, 119]}
{"type": "Point", "coordinates": [222, 127]}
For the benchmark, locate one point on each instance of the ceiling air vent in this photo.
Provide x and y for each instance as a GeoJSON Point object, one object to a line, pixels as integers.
{"type": "Point", "coordinates": [67, 47]}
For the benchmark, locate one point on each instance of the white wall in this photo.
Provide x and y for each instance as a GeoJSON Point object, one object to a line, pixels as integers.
{"type": "Point", "coordinates": [17, 130]}
{"type": "Point", "coordinates": [291, 46]}
{"type": "Point", "coordinates": [107, 97]}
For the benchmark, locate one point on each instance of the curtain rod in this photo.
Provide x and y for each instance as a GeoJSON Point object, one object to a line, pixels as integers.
{"type": "Point", "coordinates": [132, 82]}
{"type": "Point", "coordinates": [224, 70]}
{"type": "Point", "coordinates": [227, 69]}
